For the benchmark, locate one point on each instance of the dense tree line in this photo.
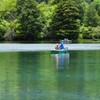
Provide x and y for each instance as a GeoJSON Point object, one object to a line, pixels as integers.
{"type": "Point", "coordinates": [65, 20]}
{"type": "Point", "coordinates": [29, 21]}
{"type": "Point", "coordinates": [49, 19]}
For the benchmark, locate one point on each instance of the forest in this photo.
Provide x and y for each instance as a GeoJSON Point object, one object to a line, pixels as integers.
{"type": "Point", "coordinates": [49, 19]}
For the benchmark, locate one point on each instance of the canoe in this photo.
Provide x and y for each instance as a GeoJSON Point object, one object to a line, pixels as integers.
{"type": "Point", "coordinates": [66, 41]}
{"type": "Point", "coordinates": [63, 51]}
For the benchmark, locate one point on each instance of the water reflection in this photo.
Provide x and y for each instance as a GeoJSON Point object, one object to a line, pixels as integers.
{"type": "Point", "coordinates": [8, 76]}
{"type": "Point", "coordinates": [33, 76]}
{"type": "Point", "coordinates": [28, 75]}
{"type": "Point", "coordinates": [61, 60]}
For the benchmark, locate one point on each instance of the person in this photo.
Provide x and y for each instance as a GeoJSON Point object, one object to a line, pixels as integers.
{"type": "Point", "coordinates": [57, 47]}
{"type": "Point", "coordinates": [62, 46]}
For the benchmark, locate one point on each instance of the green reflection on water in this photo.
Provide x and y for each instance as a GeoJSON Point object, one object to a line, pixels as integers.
{"type": "Point", "coordinates": [39, 76]}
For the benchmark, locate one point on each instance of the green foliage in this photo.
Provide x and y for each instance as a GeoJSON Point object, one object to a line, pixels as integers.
{"type": "Point", "coordinates": [57, 1]}
{"type": "Point", "coordinates": [91, 17]}
{"type": "Point", "coordinates": [97, 6]}
{"type": "Point", "coordinates": [46, 11]}
{"type": "Point", "coordinates": [7, 15]}
{"type": "Point", "coordinates": [86, 32]}
{"type": "Point", "coordinates": [96, 32]}
{"type": "Point", "coordinates": [9, 35]}
{"type": "Point", "coordinates": [7, 9]}
{"type": "Point", "coordinates": [90, 32]}
{"type": "Point", "coordinates": [29, 22]}
{"type": "Point", "coordinates": [19, 6]}
{"type": "Point", "coordinates": [32, 19]}
{"type": "Point", "coordinates": [3, 27]}
{"type": "Point", "coordinates": [65, 21]}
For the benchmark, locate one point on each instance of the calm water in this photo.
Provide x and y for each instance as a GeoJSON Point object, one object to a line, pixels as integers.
{"type": "Point", "coordinates": [45, 76]}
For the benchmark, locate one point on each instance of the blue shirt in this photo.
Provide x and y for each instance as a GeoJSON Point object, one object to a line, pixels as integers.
{"type": "Point", "coordinates": [61, 46]}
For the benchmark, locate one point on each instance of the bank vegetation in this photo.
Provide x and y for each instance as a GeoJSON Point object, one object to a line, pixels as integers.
{"type": "Point", "coordinates": [49, 19]}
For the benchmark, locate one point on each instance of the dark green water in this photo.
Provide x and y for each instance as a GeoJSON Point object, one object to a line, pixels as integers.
{"type": "Point", "coordinates": [43, 76]}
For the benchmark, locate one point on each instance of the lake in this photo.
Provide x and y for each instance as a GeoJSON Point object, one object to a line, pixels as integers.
{"type": "Point", "coordinates": [40, 75]}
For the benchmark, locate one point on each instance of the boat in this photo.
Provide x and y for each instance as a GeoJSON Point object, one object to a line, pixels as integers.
{"type": "Point", "coordinates": [65, 41]}
{"type": "Point", "coordinates": [61, 51]}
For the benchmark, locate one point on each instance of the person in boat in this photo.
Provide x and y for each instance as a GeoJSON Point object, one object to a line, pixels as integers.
{"type": "Point", "coordinates": [57, 47]}
{"type": "Point", "coordinates": [62, 46]}
{"type": "Point", "coordinates": [66, 39]}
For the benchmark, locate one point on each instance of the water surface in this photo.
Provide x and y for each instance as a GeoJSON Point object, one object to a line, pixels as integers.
{"type": "Point", "coordinates": [17, 47]}
{"type": "Point", "coordinates": [45, 76]}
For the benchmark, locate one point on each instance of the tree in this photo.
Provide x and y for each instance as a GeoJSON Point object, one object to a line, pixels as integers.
{"type": "Point", "coordinates": [46, 11]}
{"type": "Point", "coordinates": [19, 6]}
{"type": "Point", "coordinates": [8, 10]}
{"type": "Point", "coordinates": [65, 21]}
{"type": "Point", "coordinates": [91, 16]}
{"type": "Point", "coordinates": [29, 21]}
{"type": "Point", "coordinates": [7, 15]}
{"type": "Point", "coordinates": [97, 6]}
{"type": "Point", "coordinates": [57, 1]}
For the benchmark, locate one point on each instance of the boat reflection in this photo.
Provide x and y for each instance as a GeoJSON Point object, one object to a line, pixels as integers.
{"type": "Point", "coordinates": [61, 60]}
